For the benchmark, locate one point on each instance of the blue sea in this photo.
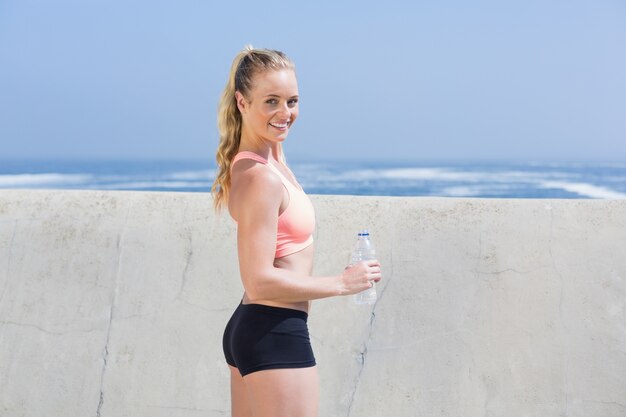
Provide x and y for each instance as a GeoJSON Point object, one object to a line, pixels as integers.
{"type": "Point", "coordinates": [445, 179]}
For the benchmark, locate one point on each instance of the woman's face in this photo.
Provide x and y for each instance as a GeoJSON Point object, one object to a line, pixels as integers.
{"type": "Point", "coordinates": [271, 106]}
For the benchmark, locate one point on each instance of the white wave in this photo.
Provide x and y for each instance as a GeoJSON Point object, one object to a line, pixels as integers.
{"type": "Point", "coordinates": [578, 165]}
{"type": "Point", "coordinates": [460, 192]}
{"type": "Point", "coordinates": [29, 180]}
{"type": "Point", "coordinates": [479, 190]}
{"type": "Point", "coordinates": [154, 184]}
{"type": "Point", "coordinates": [408, 174]}
{"type": "Point", "coordinates": [206, 175]}
{"type": "Point", "coordinates": [429, 173]}
{"type": "Point", "coordinates": [584, 189]}
{"type": "Point", "coordinates": [442, 174]}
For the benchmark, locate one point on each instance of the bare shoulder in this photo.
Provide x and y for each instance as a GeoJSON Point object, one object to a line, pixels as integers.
{"type": "Point", "coordinates": [254, 186]}
{"type": "Point", "coordinates": [248, 173]}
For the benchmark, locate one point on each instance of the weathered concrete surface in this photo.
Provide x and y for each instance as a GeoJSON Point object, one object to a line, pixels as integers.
{"type": "Point", "coordinates": [112, 304]}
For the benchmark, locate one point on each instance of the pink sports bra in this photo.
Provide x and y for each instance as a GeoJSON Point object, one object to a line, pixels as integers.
{"type": "Point", "coordinates": [297, 222]}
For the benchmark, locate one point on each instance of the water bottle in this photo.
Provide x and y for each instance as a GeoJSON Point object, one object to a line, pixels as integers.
{"type": "Point", "coordinates": [364, 250]}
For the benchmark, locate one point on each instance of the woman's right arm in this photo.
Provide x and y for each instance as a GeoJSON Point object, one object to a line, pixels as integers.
{"type": "Point", "coordinates": [257, 195]}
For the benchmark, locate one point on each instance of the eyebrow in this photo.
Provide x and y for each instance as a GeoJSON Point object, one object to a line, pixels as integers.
{"type": "Point", "coordinates": [276, 95]}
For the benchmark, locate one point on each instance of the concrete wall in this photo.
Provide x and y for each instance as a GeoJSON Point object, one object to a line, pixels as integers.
{"type": "Point", "coordinates": [113, 304]}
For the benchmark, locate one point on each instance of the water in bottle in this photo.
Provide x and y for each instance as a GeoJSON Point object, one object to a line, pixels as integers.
{"type": "Point", "coordinates": [364, 250]}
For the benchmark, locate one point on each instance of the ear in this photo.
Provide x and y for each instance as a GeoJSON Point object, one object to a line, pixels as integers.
{"type": "Point", "coordinates": [242, 104]}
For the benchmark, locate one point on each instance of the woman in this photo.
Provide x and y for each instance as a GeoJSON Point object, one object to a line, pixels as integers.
{"type": "Point", "coordinates": [266, 342]}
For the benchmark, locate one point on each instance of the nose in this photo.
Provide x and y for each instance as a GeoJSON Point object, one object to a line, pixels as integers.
{"type": "Point", "coordinates": [284, 111]}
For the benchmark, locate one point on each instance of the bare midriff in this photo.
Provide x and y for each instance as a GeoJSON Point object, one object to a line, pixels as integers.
{"type": "Point", "coordinates": [301, 264]}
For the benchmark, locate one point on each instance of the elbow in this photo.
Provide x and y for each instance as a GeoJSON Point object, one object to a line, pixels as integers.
{"type": "Point", "coordinates": [252, 294]}
{"type": "Point", "coordinates": [255, 295]}
{"type": "Point", "coordinates": [257, 287]}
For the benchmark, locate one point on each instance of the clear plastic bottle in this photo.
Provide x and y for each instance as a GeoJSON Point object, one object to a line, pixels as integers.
{"type": "Point", "coordinates": [364, 250]}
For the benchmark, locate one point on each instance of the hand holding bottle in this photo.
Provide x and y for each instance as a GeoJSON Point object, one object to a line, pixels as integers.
{"type": "Point", "coordinates": [364, 255]}
{"type": "Point", "coordinates": [361, 276]}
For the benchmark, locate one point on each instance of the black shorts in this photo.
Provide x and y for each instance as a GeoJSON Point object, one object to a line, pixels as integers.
{"type": "Point", "coordinates": [260, 337]}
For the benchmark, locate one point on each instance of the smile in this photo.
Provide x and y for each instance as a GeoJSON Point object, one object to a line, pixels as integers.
{"type": "Point", "coordinates": [279, 125]}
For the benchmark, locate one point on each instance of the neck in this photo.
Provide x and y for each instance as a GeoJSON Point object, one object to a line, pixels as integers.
{"type": "Point", "coordinates": [260, 147]}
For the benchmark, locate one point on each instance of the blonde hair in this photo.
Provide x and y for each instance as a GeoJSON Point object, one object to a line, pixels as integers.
{"type": "Point", "coordinates": [246, 65]}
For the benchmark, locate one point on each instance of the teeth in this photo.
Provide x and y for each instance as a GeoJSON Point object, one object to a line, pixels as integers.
{"type": "Point", "coordinates": [280, 124]}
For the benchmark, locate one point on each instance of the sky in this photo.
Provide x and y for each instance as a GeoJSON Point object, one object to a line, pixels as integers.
{"type": "Point", "coordinates": [393, 80]}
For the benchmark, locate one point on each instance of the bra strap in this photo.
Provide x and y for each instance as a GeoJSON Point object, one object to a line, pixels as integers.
{"type": "Point", "coordinates": [247, 155]}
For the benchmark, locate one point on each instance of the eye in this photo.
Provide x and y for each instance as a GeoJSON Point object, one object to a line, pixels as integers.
{"type": "Point", "coordinates": [292, 102]}
{"type": "Point", "coordinates": [271, 101]}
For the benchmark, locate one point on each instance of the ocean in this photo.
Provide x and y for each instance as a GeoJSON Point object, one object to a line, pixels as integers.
{"type": "Point", "coordinates": [443, 179]}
